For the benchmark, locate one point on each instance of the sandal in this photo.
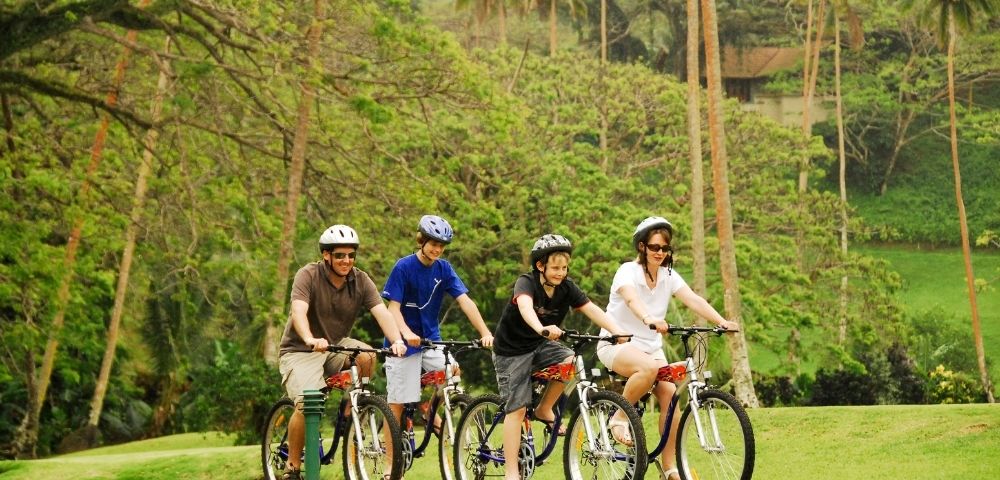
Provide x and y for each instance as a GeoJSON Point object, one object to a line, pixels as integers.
{"type": "Point", "coordinates": [625, 439]}
{"type": "Point", "coordinates": [550, 425]}
{"type": "Point", "coordinates": [671, 474]}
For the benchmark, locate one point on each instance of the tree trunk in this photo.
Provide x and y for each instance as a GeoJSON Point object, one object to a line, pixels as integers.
{"type": "Point", "coordinates": [502, 20]}
{"type": "Point", "coordinates": [842, 331]}
{"type": "Point", "coordinates": [694, 152]}
{"type": "Point", "coordinates": [743, 383]}
{"type": "Point", "coordinates": [966, 251]}
{"type": "Point", "coordinates": [604, 87]}
{"type": "Point", "coordinates": [552, 28]}
{"type": "Point", "coordinates": [27, 438]}
{"type": "Point", "coordinates": [138, 204]}
{"type": "Point", "coordinates": [809, 90]}
{"type": "Point", "coordinates": [294, 188]}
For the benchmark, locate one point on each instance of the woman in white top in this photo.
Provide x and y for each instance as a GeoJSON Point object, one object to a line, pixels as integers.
{"type": "Point", "coordinates": [640, 296]}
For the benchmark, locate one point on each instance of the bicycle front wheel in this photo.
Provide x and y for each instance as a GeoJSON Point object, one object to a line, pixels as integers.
{"type": "Point", "coordinates": [715, 442]}
{"type": "Point", "coordinates": [449, 427]}
{"type": "Point", "coordinates": [479, 440]}
{"type": "Point", "coordinates": [366, 452]}
{"type": "Point", "coordinates": [274, 445]}
{"type": "Point", "coordinates": [598, 455]}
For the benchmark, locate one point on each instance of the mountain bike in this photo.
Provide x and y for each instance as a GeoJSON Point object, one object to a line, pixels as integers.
{"type": "Point", "coordinates": [447, 401]}
{"type": "Point", "coordinates": [590, 449]}
{"type": "Point", "coordinates": [359, 422]}
{"type": "Point", "coordinates": [714, 437]}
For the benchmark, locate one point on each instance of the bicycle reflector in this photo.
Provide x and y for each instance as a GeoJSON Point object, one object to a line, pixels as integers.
{"type": "Point", "coordinates": [341, 380]}
{"type": "Point", "coordinates": [674, 372]}
{"type": "Point", "coordinates": [559, 371]}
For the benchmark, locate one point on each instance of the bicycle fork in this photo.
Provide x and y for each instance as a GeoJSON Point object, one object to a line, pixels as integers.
{"type": "Point", "coordinates": [583, 386]}
{"type": "Point", "coordinates": [694, 386]}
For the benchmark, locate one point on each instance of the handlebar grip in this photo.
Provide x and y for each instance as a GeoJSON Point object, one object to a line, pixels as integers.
{"type": "Point", "coordinates": [545, 333]}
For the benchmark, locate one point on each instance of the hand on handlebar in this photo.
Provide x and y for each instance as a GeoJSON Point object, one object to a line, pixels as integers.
{"type": "Point", "coordinates": [486, 341]}
{"type": "Point", "coordinates": [551, 332]}
{"type": "Point", "coordinates": [318, 344]}
{"type": "Point", "coordinates": [730, 326]}
{"type": "Point", "coordinates": [411, 339]}
{"type": "Point", "coordinates": [398, 349]}
{"type": "Point", "coordinates": [660, 326]}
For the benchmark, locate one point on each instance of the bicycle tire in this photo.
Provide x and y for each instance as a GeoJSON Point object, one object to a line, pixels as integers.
{"type": "Point", "coordinates": [730, 456]}
{"type": "Point", "coordinates": [609, 459]}
{"type": "Point", "coordinates": [370, 462]}
{"type": "Point", "coordinates": [274, 439]}
{"type": "Point", "coordinates": [446, 459]}
{"type": "Point", "coordinates": [478, 434]}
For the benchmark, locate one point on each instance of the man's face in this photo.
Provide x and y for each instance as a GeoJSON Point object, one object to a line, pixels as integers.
{"type": "Point", "coordinates": [342, 265]}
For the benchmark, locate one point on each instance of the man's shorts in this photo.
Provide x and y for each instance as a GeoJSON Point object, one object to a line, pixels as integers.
{"type": "Point", "coordinates": [514, 373]}
{"type": "Point", "coordinates": [301, 371]}
{"type": "Point", "coordinates": [402, 374]}
{"type": "Point", "coordinates": [607, 352]}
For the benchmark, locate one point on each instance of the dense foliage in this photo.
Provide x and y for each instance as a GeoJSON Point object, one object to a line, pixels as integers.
{"type": "Point", "coordinates": [404, 122]}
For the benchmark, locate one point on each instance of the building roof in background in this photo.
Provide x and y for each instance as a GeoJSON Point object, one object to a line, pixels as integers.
{"type": "Point", "coordinates": [757, 62]}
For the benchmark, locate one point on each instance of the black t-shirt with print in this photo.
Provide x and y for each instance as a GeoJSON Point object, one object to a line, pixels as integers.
{"type": "Point", "coordinates": [513, 335]}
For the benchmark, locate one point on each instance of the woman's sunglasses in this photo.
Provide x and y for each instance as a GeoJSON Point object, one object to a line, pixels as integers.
{"type": "Point", "coordinates": [655, 248]}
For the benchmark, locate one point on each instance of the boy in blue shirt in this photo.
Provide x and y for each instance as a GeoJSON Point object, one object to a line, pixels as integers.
{"type": "Point", "coordinates": [415, 290]}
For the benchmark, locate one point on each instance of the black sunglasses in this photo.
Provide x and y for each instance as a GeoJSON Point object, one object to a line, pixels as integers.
{"type": "Point", "coordinates": [341, 255]}
{"type": "Point", "coordinates": [653, 247]}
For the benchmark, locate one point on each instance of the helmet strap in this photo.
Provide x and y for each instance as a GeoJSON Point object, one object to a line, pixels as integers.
{"type": "Point", "coordinates": [545, 278]}
{"type": "Point", "coordinates": [329, 264]}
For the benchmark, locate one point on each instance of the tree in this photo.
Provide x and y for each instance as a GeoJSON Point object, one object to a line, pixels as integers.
{"type": "Point", "coordinates": [295, 172]}
{"type": "Point", "coordinates": [720, 181]}
{"type": "Point", "coordinates": [949, 16]}
{"type": "Point", "coordinates": [694, 149]}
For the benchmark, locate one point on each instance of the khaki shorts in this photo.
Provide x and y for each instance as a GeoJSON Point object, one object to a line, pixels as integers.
{"type": "Point", "coordinates": [301, 371]}
{"type": "Point", "coordinates": [607, 352]}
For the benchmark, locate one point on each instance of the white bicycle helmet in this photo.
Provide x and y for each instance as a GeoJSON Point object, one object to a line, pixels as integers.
{"type": "Point", "coordinates": [548, 244]}
{"type": "Point", "coordinates": [650, 223]}
{"type": "Point", "coordinates": [338, 236]}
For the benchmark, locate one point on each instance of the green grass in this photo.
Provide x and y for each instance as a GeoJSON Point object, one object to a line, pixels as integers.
{"type": "Point", "coordinates": [936, 278]}
{"type": "Point", "coordinates": [843, 443]}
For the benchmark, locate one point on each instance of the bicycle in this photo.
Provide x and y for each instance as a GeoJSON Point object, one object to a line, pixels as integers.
{"type": "Point", "coordinates": [360, 418]}
{"type": "Point", "coordinates": [449, 398]}
{"type": "Point", "coordinates": [714, 437]}
{"type": "Point", "coordinates": [591, 451]}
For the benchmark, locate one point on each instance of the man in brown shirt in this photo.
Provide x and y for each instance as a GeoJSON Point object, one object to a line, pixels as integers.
{"type": "Point", "coordinates": [327, 298]}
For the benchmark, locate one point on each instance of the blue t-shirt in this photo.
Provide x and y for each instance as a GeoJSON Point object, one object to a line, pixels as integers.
{"type": "Point", "coordinates": [420, 290]}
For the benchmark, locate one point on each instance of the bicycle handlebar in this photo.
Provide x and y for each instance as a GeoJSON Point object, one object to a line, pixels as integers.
{"type": "Point", "coordinates": [357, 350]}
{"type": "Point", "coordinates": [575, 335]}
{"type": "Point", "coordinates": [428, 343]}
{"type": "Point", "coordinates": [680, 330]}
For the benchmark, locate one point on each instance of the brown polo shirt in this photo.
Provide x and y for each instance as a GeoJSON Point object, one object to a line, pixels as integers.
{"type": "Point", "coordinates": [332, 311]}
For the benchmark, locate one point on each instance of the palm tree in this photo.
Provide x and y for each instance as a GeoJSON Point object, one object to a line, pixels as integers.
{"type": "Point", "coordinates": [742, 380]}
{"type": "Point", "coordinates": [950, 15]}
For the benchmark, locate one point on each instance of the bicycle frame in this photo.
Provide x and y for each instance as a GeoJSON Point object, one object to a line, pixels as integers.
{"type": "Point", "coordinates": [442, 394]}
{"type": "Point", "coordinates": [583, 387]}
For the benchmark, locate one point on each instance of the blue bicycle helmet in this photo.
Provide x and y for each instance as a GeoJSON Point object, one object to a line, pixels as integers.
{"type": "Point", "coordinates": [436, 228]}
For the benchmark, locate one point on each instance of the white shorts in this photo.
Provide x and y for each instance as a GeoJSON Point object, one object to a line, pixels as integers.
{"type": "Point", "coordinates": [402, 374]}
{"type": "Point", "coordinates": [607, 352]}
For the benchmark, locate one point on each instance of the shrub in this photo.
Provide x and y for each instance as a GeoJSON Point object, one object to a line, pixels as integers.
{"type": "Point", "coordinates": [946, 386]}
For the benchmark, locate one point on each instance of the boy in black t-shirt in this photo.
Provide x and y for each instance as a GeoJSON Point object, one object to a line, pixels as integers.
{"type": "Point", "coordinates": [540, 301]}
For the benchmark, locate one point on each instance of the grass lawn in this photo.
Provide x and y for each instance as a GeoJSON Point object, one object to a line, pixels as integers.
{"type": "Point", "coordinates": [936, 278]}
{"type": "Point", "coordinates": [843, 443]}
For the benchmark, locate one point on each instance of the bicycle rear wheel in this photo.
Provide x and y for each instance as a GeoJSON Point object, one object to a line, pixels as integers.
{"type": "Point", "coordinates": [479, 440]}
{"type": "Point", "coordinates": [274, 445]}
{"type": "Point", "coordinates": [366, 455]}
{"type": "Point", "coordinates": [601, 456]}
{"type": "Point", "coordinates": [449, 428]}
{"type": "Point", "coordinates": [724, 448]}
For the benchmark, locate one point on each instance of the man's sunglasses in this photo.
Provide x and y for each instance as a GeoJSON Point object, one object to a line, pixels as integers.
{"type": "Point", "coordinates": [653, 247]}
{"type": "Point", "coordinates": [341, 255]}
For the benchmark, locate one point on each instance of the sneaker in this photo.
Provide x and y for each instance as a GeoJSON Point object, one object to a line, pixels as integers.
{"type": "Point", "coordinates": [292, 475]}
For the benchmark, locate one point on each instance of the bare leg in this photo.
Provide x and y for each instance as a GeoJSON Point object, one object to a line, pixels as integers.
{"type": "Point", "coordinates": [664, 393]}
{"type": "Point", "coordinates": [552, 391]}
{"type": "Point", "coordinates": [640, 369]}
{"type": "Point", "coordinates": [512, 442]}
{"type": "Point", "coordinates": [397, 411]}
{"type": "Point", "coordinates": [296, 438]}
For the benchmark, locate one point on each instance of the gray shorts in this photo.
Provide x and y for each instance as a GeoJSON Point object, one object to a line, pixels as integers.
{"type": "Point", "coordinates": [514, 373]}
{"type": "Point", "coordinates": [403, 374]}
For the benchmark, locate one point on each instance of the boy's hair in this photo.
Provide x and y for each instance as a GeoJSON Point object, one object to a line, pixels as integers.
{"type": "Point", "coordinates": [545, 259]}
